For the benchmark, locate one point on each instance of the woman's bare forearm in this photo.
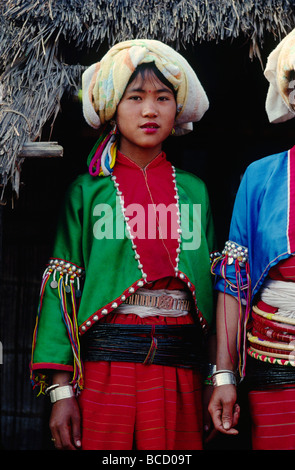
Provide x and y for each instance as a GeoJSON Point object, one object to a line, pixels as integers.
{"type": "Point", "coordinates": [227, 329]}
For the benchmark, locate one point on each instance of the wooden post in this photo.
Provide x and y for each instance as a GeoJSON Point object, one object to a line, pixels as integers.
{"type": "Point", "coordinates": [41, 150]}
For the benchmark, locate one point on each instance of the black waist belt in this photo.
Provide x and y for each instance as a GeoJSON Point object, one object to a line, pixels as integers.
{"type": "Point", "coordinates": [178, 346]}
{"type": "Point", "coordinates": [261, 375]}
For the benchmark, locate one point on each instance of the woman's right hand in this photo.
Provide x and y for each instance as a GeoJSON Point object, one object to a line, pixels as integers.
{"type": "Point", "coordinates": [65, 424]}
{"type": "Point", "coordinates": [224, 410]}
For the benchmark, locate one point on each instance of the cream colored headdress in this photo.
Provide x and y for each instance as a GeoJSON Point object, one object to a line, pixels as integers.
{"type": "Point", "coordinates": [104, 83]}
{"type": "Point", "coordinates": [280, 100]}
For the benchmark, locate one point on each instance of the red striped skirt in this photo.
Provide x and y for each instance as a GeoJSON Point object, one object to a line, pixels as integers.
{"type": "Point", "coordinates": [273, 410]}
{"type": "Point", "coordinates": [129, 406]}
{"type": "Point", "coordinates": [273, 419]}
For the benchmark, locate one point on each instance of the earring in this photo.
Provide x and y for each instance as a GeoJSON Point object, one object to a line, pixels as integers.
{"type": "Point", "coordinates": [172, 131]}
{"type": "Point", "coordinates": [115, 129]}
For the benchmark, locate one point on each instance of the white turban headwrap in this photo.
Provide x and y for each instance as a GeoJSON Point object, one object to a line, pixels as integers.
{"type": "Point", "coordinates": [104, 83]}
{"type": "Point", "coordinates": [280, 100]}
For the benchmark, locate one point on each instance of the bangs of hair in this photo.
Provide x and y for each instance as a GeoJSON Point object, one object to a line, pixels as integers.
{"type": "Point", "coordinates": [150, 71]}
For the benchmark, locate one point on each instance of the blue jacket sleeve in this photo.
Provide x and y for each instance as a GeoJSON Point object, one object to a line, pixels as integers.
{"type": "Point", "coordinates": [231, 267]}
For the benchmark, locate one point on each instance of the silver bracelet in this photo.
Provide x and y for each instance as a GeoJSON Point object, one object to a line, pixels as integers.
{"type": "Point", "coordinates": [59, 393]}
{"type": "Point", "coordinates": [224, 377]}
{"type": "Point", "coordinates": [211, 369]}
{"type": "Point", "coordinates": [48, 389]}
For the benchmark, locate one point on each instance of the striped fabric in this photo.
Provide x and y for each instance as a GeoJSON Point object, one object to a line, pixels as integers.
{"type": "Point", "coordinates": [146, 407]}
{"type": "Point", "coordinates": [127, 405]}
{"type": "Point", "coordinates": [273, 419]}
{"type": "Point", "coordinates": [273, 410]}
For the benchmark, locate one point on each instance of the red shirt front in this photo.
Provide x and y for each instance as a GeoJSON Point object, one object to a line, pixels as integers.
{"type": "Point", "coordinates": [149, 196]}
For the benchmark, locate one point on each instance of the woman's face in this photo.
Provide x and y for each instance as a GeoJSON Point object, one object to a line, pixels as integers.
{"type": "Point", "coordinates": [145, 116]}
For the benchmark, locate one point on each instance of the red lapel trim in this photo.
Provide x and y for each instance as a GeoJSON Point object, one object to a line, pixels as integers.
{"type": "Point", "coordinates": [291, 200]}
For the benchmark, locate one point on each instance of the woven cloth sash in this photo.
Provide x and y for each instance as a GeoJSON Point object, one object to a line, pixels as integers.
{"type": "Point", "coordinates": [272, 334]}
{"type": "Point", "coordinates": [280, 294]}
{"type": "Point", "coordinates": [272, 338]}
{"type": "Point", "coordinates": [162, 302]}
{"type": "Point", "coordinates": [173, 345]}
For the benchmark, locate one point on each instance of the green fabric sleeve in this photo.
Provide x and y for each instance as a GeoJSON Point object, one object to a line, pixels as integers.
{"type": "Point", "coordinates": [52, 348]}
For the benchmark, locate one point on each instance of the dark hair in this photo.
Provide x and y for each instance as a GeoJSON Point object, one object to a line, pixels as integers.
{"type": "Point", "coordinates": [148, 70]}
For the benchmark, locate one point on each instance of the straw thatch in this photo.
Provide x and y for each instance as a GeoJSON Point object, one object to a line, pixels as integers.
{"type": "Point", "coordinates": [35, 76]}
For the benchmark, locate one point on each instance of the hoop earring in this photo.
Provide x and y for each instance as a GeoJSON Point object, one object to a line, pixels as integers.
{"type": "Point", "coordinates": [114, 126]}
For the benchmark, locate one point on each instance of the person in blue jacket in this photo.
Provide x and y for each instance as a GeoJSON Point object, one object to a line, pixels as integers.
{"type": "Point", "coordinates": [255, 277]}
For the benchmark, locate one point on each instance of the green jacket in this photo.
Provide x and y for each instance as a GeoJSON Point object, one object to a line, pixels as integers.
{"type": "Point", "coordinates": [109, 266]}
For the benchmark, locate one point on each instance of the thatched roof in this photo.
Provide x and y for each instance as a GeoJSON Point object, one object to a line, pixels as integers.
{"type": "Point", "coordinates": [35, 76]}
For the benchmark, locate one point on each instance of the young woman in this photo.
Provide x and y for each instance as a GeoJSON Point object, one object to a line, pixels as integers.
{"type": "Point", "coordinates": [129, 281]}
{"type": "Point", "coordinates": [256, 282]}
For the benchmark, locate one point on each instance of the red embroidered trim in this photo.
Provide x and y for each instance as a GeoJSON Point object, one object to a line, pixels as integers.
{"type": "Point", "coordinates": [51, 365]}
{"type": "Point", "coordinates": [291, 200]}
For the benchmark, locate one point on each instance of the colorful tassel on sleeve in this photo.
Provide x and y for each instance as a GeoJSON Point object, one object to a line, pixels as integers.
{"type": "Point", "coordinates": [233, 267]}
{"type": "Point", "coordinates": [70, 320]}
{"type": "Point", "coordinates": [39, 380]}
{"type": "Point", "coordinates": [68, 288]}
